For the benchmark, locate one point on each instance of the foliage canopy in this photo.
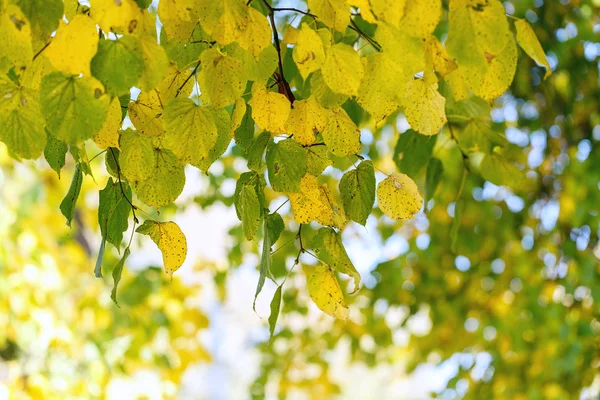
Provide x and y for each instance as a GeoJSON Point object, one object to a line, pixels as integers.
{"type": "Point", "coordinates": [301, 97]}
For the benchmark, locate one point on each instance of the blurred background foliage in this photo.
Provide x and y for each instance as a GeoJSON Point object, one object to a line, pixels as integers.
{"type": "Point", "coordinates": [512, 312]}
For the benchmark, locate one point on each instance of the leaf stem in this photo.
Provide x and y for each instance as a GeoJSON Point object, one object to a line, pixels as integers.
{"type": "Point", "coordinates": [188, 78]}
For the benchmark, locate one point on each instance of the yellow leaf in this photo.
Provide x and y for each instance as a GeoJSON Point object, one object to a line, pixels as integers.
{"type": "Point", "coordinates": [341, 135]}
{"type": "Point", "coordinates": [315, 202]}
{"type": "Point", "coordinates": [380, 90]}
{"type": "Point", "coordinates": [74, 46]}
{"type": "Point", "coordinates": [173, 82]}
{"type": "Point", "coordinates": [270, 110]}
{"type": "Point", "coordinates": [306, 118]}
{"type": "Point", "coordinates": [442, 62]}
{"type": "Point", "coordinates": [323, 94]}
{"type": "Point", "coordinates": [222, 79]}
{"type": "Point", "coordinates": [388, 11]}
{"type": "Point", "coordinates": [224, 20]}
{"type": "Point", "coordinates": [32, 77]}
{"type": "Point", "coordinates": [115, 15]}
{"type": "Point", "coordinates": [137, 155]}
{"type": "Point", "coordinates": [309, 52]}
{"type": "Point", "coordinates": [170, 240]}
{"type": "Point", "coordinates": [333, 13]}
{"type": "Point", "coordinates": [421, 17]}
{"type": "Point", "coordinates": [398, 197]}
{"type": "Point", "coordinates": [343, 69]}
{"type": "Point", "coordinates": [156, 63]}
{"type": "Point", "coordinates": [145, 113]}
{"type": "Point", "coordinates": [405, 50]}
{"type": "Point", "coordinates": [531, 45]}
{"type": "Point", "coordinates": [257, 33]}
{"type": "Point", "coordinates": [176, 17]}
{"type": "Point", "coordinates": [108, 136]}
{"type": "Point", "coordinates": [457, 84]}
{"type": "Point", "coordinates": [165, 181]}
{"type": "Point", "coordinates": [425, 107]}
{"type": "Point", "coordinates": [500, 73]}
{"type": "Point", "coordinates": [366, 11]}
{"type": "Point", "coordinates": [15, 47]}
{"type": "Point", "coordinates": [326, 293]}
{"type": "Point", "coordinates": [190, 130]}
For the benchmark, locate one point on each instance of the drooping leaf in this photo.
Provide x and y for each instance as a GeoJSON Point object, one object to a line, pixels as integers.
{"type": "Point", "coordinates": [459, 208]}
{"type": "Point", "coordinates": [531, 45]}
{"type": "Point", "coordinates": [398, 197]}
{"type": "Point", "coordinates": [54, 153]}
{"type": "Point", "coordinates": [435, 170]}
{"type": "Point", "coordinates": [223, 124]}
{"type": "Point", "coordinates": [265, 263]}
{"type": "Point", "coordinates": [275, 226]}
{"type": "Point", "coordinates": [67, 206]}
{"type": "Point", "coordinates": [116, 274]}
{"type": "Point", "coordinates": [170, 240]}
{"type": "Point", "coordinates": [248, 204]}
{"type": "Point", "coordinates": [329, 248]}
{"type": "Point", "coordinates": [244, 133]}
{"type": "Point", "coordinates": [113, 211]}
{"type": "Point", "coordinates": [326, 293]}
{"type": "Point", "coordinates": [286, 162]}
{"type": "Point", "coordinates": [357, 188]}
{"type": "Point", "coordinates": [256, 151]}
{"type": "Point", "coordinates": [275, 307]}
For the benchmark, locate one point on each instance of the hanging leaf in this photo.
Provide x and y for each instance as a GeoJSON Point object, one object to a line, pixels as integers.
{"type": "Point", "coordinates": [169, 239]}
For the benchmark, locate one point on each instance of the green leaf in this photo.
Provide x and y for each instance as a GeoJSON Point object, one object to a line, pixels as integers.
{"type": "Point", "coordinates": [256, 151]}
{"type": "Point", "coordinates": [275, 226]}
{"type": "Point", "coordinates": [459, 208]}
{"type": "Point", "coordinates": [287, 164]}
{"type": "Point", "coordinates": [413, 152]}
{"type": "Point", "coordinates": [244, 134]}
{"type": "Point", "coordinates": [42, 14]}
{"type": "Point", "coordinates": [501, 171]}
{"type": "Point", "coordinates": [275, 307]}
{"type": "Point", "coordinates": [116, 274]}
{"type": "Point", "coordinates": [265, 264]}
{"type": "Point", "coordinates": [100, 259]}
{"type": "Point", "coordinates": [74, 108]}
{"type": "Point", "coordinates": [435, 170]}
{"type": "Point", "coordinates": [110, 161]}
{"type": "Point", "coordinates": [67, 206]}
{"type": "Point", "coordinates": [118, 64]}
{"type": "Point", "coordinates": [165, 182]}
{"type": "Point", "coordinates": [190, 130]}
{"type": "Point", "coordinates": [223, 124]}
{"type": "Point", "coordinates": [357, 188]}
{"type": "Point", "coordinates": [55, 152]}
{"type": "Point", "coordinates": [21, 121]}
{"type": "Point", "coordinates": [330, 249]}
{"type": "Point", "coordinates": [247, 205]}
{"type": "Point", "coordinates": [317, 159]}
{"type": "Point", "coordinates": [113, 211]}
{"type": "Point", "coordinates": [155, 63]}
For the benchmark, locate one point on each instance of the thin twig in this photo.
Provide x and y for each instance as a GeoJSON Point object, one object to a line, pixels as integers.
{"type": "Point", "coordinates": [40, 51]}
{"type": "Point", "coordinates": [280, 77]}
{"type": "Point", "coordinates": [354, 26]}
{"type": "Point", "coordinates": [295, 10]}
{"type": "Point", "coordinates": [188, 78]}
{"type": "Point", "coordinates": [133, 208]}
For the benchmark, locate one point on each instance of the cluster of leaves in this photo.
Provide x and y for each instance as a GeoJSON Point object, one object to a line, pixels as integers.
{"type": "Point", "coordinates": [293, 105]}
